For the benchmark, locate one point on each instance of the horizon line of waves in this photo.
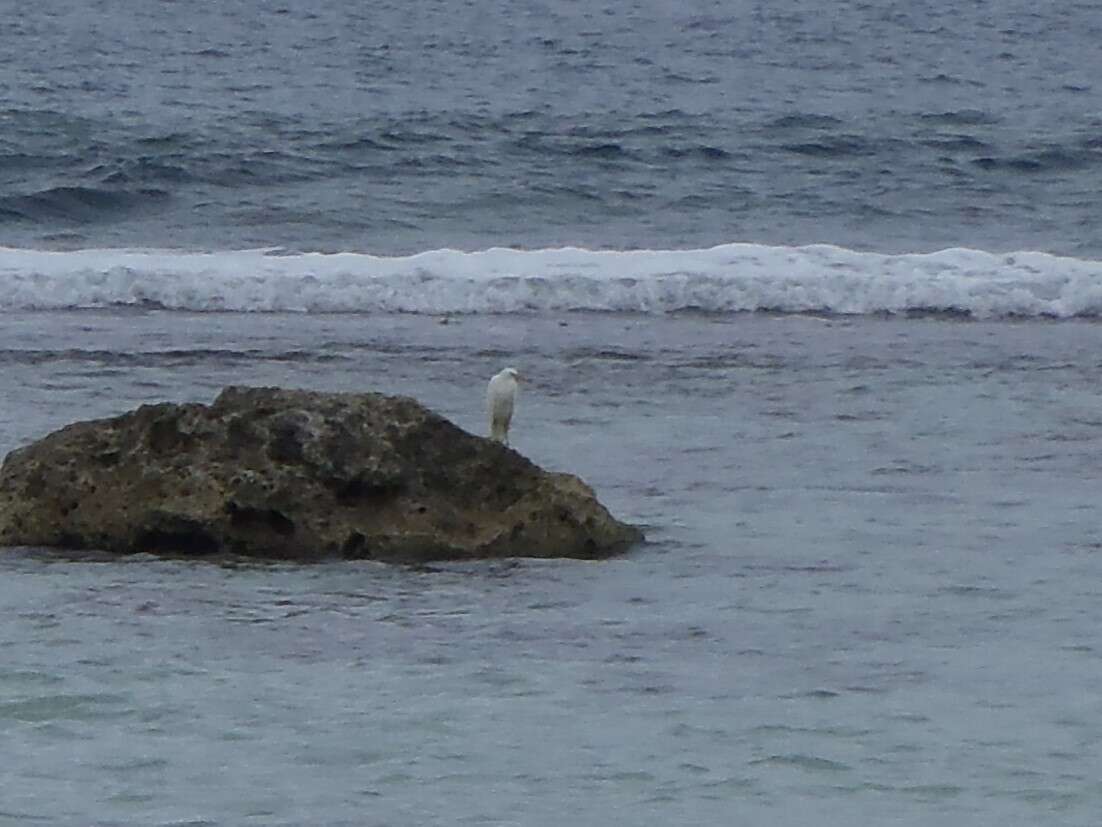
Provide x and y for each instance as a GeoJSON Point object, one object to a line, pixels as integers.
{"type": "Point", "coordinates": [728, 278]}
{"type": "Point", "coordinates": [131, 169]}
{"type": "Point", "coordinates": [31, 356]}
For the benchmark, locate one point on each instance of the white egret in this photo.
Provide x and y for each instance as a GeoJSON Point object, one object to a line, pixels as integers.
{"type": "Point", "coordinates": [501, 397]}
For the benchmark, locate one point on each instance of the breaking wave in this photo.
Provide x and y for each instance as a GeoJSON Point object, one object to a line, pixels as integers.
{"type": "Point", "coordinates": [725, 279]}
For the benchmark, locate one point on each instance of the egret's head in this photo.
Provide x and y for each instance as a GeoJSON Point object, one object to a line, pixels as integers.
{"type": "Point", "coordinates": [513, 372]}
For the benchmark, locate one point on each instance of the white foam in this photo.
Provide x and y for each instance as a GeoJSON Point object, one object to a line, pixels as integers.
{"type": "Point", "coordinates": [728, 278]}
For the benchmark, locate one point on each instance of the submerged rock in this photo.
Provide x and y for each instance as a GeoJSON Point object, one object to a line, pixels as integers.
{"type": "Point", "coordinates": [268, 472]}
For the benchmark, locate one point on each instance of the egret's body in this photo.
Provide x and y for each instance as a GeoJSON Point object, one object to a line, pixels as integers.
{"type": "Point", "coordinates": [501, 398]}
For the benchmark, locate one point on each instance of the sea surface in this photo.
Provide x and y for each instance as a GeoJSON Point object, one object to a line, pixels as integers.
{"type": "Point", "coordinates": [811, 294]}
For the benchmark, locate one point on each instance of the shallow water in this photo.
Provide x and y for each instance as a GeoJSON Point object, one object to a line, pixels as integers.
{"type": "Point", "coordinates": [869, 592]}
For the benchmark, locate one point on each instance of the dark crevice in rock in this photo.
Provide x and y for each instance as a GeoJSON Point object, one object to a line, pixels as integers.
{"type": "Point", "coordinates": [164, 435]}
{"type": "Point", "coordinates": [285, 442]}
{"type": "Point", "coordinates": [241, 435]}
{"type": "Point", "coordinates": [182, 538]}
{"type": "Point", "coordinates": [269, 518]}
{"type": "Point", "coordinates": [108, 458]}
{"type": "Point", "coordinates": [360, 491]}
{"type": "Point", "coordinates": [355, 546]}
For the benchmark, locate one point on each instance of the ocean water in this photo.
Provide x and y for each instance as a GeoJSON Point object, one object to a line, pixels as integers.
{"type": "Point", "coordinates": [813, 297]}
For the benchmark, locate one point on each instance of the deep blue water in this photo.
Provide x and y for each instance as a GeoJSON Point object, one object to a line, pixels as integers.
{"type": "Point", "coordinates": [397, 127]}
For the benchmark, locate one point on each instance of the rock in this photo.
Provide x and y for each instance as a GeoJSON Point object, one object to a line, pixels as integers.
{"type": "Point", "coordinates": [276, 473]}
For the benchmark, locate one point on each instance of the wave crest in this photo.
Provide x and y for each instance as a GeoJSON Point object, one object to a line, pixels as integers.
{"type": "Point", "coordinates": [724, 279]}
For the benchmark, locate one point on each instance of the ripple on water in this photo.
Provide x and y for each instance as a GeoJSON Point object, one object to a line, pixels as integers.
{"type": "Point", "coordinates": [801, 761]}
{"type": "Point", "coordinates": [16, 678]}
{"type": "Point", "coordinates": [69, 707]}
{"type": "Point", "coordinates": [830, 732]}
{"type": "Point", "coordinates": [134, 765]}
{"type": "Point", "coordinates": [16, 817]}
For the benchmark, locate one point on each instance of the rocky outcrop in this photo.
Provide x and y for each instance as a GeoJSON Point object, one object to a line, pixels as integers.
{"type": "Point", "coordinates": [276, 473]}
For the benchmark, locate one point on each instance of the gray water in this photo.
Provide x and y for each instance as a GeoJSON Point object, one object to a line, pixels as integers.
{"type": "Point", "coordinates": [402, 126]}
{"type": "Point", "coordinates": [870, 591]}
